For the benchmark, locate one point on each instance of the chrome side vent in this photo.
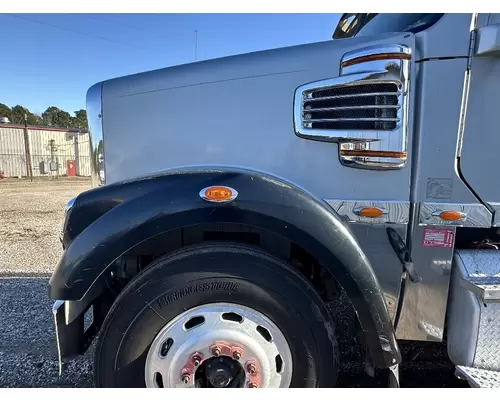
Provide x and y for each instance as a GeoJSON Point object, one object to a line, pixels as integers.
{"type": "Point", "coordinates": [364, 109]}
{"type": "Point", "coordinates": [372, 106]}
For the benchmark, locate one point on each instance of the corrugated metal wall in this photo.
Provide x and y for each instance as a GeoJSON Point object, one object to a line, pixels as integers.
{"type": "Point", "coordinates": [12, 153]}
{"type": "Point", "coordinates": [50, 151]}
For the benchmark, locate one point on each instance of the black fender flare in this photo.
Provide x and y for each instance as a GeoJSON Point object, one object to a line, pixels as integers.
{"type": "Point", "coordinates": [105, 222]}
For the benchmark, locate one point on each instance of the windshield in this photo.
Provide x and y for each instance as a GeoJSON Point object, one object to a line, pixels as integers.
{"type": "Point", "coordinates": [351, 24]}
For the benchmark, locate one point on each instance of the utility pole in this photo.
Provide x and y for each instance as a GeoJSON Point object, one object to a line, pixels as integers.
{"type": "Point", "coordinates": [77, 154]}
{"type": "Point", "coordinates": [29, 171]}
{"type": "Point", "coordinates": [196, 44]}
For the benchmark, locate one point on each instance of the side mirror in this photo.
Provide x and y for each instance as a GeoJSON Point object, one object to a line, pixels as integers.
{"type": "Point", "coordinates": [345, 26]}
{"type": "Point", "coordinates": [488, 41]}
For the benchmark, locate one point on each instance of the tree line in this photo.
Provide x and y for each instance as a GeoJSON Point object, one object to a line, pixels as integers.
{"type": "Point", "coordinates": [52, 117]}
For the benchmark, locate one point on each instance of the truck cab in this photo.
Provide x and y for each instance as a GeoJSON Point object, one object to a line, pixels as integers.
{"type": "Point", "coordinates": [260, 187]}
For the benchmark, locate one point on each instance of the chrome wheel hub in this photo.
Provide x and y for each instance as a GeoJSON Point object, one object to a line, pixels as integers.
{"type": "Point", "coordinates": [219, 345]}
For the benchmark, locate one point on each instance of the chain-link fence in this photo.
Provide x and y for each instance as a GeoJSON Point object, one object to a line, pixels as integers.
{"type": "Point", "coordinates": [37, 152]}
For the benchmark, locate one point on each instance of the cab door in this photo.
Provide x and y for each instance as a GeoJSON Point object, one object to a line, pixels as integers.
{"type": "Point", "coordinates": [480, 146]}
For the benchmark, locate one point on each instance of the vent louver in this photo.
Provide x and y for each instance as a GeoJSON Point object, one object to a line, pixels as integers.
{"type": "Point", "coordinates": [364, 106]}
{"type": "Point", "coordinates": [364, 109]}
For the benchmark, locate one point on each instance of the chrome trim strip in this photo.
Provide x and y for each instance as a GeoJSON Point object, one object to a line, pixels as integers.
{"type": "Point", "coordinates": [496, 213]}
{"type": "Point", "coordinates": [463, 112]}
{"type": "Point", "coordinates": [466, 88]}
{"type": "Point", "coordinates": [350, 96]}
{"type": "Point", "coordinates": [70, 203]}
{"type": "Point", "coordinates": [367, 72]}
{"type": "Point", "coordinates": [371, 107]}
{"type": "Point", "coordinates": [351, 119]}
{"type": "Point", "coordinates": [475, 215]}
{"type": "Point", "coordinates": [68, 207]}
{"type": "Point", "coordinates": [58, 308]}
{"type": "Point", "coordinates": [395, 212]}
{"type": "Point", "coordinates": [96, 143]}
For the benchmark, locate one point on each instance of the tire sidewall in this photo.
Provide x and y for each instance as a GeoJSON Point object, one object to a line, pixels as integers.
{"type": "Point", "coordinates": [216, 274]}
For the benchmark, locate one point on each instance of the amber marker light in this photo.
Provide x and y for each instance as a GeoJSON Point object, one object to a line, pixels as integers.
{"type": "Point", "coordinates": [372, 153]}
{"type": "Point", "coordinates": [376, 57]}
{"type": "Point", "coordinates": [449, 215]}
{"type": "Point", "coordinates": [370, 212]}
{"type": "Point", "coordinates": [218, 194]}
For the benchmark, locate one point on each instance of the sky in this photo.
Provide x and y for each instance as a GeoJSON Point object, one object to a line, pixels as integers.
{"type": "Point", "coordinates": [52, 59]}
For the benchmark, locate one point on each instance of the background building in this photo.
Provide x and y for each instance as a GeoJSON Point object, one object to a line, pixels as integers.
{"type": "Point", "coordinates": [43, 151]}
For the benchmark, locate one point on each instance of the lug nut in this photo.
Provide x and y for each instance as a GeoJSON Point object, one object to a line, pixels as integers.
{"type": "Point", "coordinates": [236, 355]}
{"type": "Point", "coordinates": [186, 378]}
{"type": "Point", "coordinates": [251, 369]}
{"type": "Point", "coordinates": [253, 385]}
{"type": "Point", "coordinates": [216, 351]}
{"type": "Point", "coordinates": [196, 360]}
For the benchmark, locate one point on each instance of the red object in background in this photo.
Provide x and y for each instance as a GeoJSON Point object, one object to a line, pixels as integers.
{"type": "Point", "coordinates": [2, 175]}
{"type": "Point", "coordinates": [71, 168]}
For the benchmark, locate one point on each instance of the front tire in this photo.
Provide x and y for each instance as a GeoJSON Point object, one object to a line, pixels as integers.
{"type": "Point", "coordinates": [146, 341]}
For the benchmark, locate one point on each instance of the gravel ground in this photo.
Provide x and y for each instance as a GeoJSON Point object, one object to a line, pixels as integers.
{"type": "Point", "coordinates": [30, 219]}
{"type": "Point", "coordinates": [30, 215]}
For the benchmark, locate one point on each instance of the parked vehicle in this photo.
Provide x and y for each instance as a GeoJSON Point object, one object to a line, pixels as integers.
{"type": "Point", "coordinates": [260, 186]}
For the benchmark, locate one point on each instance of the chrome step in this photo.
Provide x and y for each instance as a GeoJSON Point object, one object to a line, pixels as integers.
{"type": "Point", "coordinates": [487, 289]}
{"type": "Point", "coordinates": [482, 275]}
{"type": "Point", "coordinates": [473, 316]}
{"type": "Point", "coordinates": [478, 378]}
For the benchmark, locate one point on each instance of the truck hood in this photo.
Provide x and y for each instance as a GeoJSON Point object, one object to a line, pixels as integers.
{"type": "Point", "coordinates": [295, 59]}
{"type": "Point", "coordinates": [234, 111]}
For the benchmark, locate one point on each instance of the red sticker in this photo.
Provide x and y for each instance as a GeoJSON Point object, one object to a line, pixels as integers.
{"type": "Point", "coordinates": [438, 238]}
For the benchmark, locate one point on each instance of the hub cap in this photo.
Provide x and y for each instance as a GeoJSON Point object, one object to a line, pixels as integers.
{"type": "Point", "coordinates": [219, 345]}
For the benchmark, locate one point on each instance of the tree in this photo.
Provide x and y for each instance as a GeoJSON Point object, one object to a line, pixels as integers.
{"type": "Point", "coordinates": [5, 111]}
{"type": "Point", "coordinates": [37, 120]}
{"type": "Point", "coordinates": [56, 117]}
{"type": "Point", "coordinates": [52, 116]}
{"type": "Point", "coordinates": [18, 114]}
{"type": "Point", "coordinates": [80, 120]}
{"type": "Point", "coordinates": [34, 120]}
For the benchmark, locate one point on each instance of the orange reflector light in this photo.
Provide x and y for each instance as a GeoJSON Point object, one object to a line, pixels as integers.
{"type": "Point", "coordinates": [451, 215]}
{"type": "Point", "coordinates": [376, 57]}
{"type": "Point", "coordinates": [218, 194]}
{"type": "Point", "coordinates": [370, 212]}
{"type": "Point", "coordinates": [373, 153]}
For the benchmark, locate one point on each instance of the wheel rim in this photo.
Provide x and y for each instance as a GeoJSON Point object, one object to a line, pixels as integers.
{"type": "Point", "coordinates": [207, 344]}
